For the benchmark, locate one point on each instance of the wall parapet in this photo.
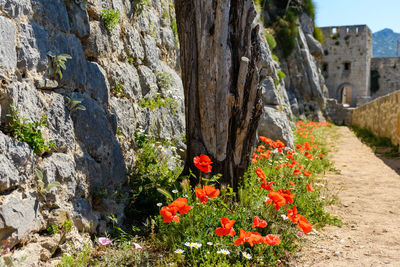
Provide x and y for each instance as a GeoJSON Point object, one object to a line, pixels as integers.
{"type": "Point", "coordinates": [380, 116]}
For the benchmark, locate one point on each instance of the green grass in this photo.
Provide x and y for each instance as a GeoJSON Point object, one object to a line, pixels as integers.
{"type": "Point", "coordinates": [368, 138]}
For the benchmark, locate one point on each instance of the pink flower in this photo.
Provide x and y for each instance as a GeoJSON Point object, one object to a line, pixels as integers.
{"type": "Point", "coordinates": [299, 233]}
{"type": "Point", "coordinates": [5, 251]}
{"type": "Point", "coordinates": [137, 246]}
{"type": "Point", "coordinates": [104, 241]}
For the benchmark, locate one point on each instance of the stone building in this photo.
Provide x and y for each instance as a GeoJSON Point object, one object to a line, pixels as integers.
{"type": "Point", "coordinates": [346, 63]}
{"type": "Point", "coordinates": [352, 76]}
{"type": "Point", "coordinates": [385, 76]}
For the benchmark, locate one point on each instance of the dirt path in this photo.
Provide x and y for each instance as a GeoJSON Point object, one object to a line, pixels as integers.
{"type": "Point", "coordinates": [369, 207]}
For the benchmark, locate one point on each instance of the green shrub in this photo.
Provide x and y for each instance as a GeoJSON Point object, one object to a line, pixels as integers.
{"type": "Point", "coordinates": [110, 18]}
{"type": "Point", "coordinates": [150, 174]}
{"type": "Point", "coordinates": [270, 40]}
{"type": "Point", "coordinates": [286, 32]}
{"type": "Point", "coordinates": [309, 8]}
{"type": "Point", "coordinates": [281, 75]}
{"type": "Point", "coordinates": [29, 132]}
{"type": "Point", "coordinates": [318, 35]}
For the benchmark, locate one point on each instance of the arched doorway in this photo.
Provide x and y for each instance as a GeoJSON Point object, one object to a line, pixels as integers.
{"type": "Point", "coordinates": [346, 94]}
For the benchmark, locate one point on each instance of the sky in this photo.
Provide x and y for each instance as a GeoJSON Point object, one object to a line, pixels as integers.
{"type": "Point", "coordinates": [377, 14]}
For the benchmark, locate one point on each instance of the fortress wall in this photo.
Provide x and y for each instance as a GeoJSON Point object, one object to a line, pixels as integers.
{"type": "Point", "coordinates": [351, 45]}
{"type": "Point", "coordinates": [380, 116]}
{"type": "Point", "coordinates": [386, 73]}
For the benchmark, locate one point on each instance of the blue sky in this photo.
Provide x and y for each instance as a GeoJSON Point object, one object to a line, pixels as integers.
{"type": "Point", "coordinates": [377, 14]}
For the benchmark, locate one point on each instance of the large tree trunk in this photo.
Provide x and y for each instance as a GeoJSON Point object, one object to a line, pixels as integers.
{"type": "Point", "coordinates": [220, 65]}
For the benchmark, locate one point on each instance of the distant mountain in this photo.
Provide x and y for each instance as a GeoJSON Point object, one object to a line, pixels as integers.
{"type": "Point", "coordinates": [384, 43]}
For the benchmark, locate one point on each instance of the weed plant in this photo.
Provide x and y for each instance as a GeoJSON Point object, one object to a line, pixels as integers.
{"type": "Point", "coordinates": [29, 132]}
{"type": "Point", "coordinates": [110, 18]}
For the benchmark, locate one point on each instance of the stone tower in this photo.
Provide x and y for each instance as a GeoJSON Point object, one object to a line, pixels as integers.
{"type": "Point", "coordinates": [346, 63]}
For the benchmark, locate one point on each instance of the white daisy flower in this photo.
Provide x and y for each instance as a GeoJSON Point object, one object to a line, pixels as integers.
{"type": "Point", "coordinates": [209, 243]}
{"type": "Point", "coordinates": [175, 191]}
{"type": "Point", "coordinates": [179, 251]}
{"type": "Point", "coordinates": [223, 251]}
{"type": "Point", "coordinates": [196, 245]}
{"type": "Point", "coordinates": [246, 255]}
{"type": "Point", "coordinates": [159, 204]}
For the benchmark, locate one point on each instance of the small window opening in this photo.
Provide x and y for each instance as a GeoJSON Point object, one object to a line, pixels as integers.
{"type": "Point", "coordinates": [347, 66]}
{"type": "Point", "coordinates": [347, 30]}
{"type": "Point", "coordinates": [356, 30]}
{"type": "Point", "coordinates": [334, 30]}
{"type": "Point", "coordinates": [325, 67]}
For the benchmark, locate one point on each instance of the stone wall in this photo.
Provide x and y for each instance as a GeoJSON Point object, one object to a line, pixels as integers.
{"type": "Point", "coordinates": [381, 116]}
{"type": "Point", "coordinates": [385, 76]}
{"type": "Point", "coordinates": [110, 73]}
{"type": "Point", "coordinates": [346, 62]}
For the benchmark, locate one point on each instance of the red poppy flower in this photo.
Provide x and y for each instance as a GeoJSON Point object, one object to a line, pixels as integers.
{"type": "Point", "coordinates": [272, 240]}
{"type": "Point", "coordinates": [203, 163]}
{"type": "Point", "coordinates": [310, 188]}
{"type": "Point", "coordinates": [169, 214]}
{"type": "Point", "coordinates": [206, 192]}
{"type": "Point", "coordinates": [306, 173]}
{"type": "Point", "coordinates": [292, 214]}
{"type": "Point", "coordinates": [180, 204]}
{"type": "Point", "coordinates": [267, 185]}
{"type": "Point", "coordinates": [304, 225]}
{"type": "Point", "coordinates": [260, 174]}
{"type": "Point", "coordinates": [296, 171]}
{"type": "Point", "coordinates": [249, 237]}
{"type": "Point", "coordinates": [307, 146]}
{"type": "Point", "coordinates": [308, 155]}
{"type": "Point", "coordinates": [286, 194]}
{"type": "Point", "coordinates": [292, 183]}
{"type": "Point", "coordinates": [276, 199]}
{"type": "Point", "coordinates": [227, 227]}
{"type": "Point", "coordinates": [259, 223]}
{"type": "Point", "coordinates": [211, 192]}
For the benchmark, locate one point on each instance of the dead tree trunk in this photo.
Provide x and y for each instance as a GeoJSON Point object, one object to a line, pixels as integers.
{"type": "Point", "coordinates": [220, 65]}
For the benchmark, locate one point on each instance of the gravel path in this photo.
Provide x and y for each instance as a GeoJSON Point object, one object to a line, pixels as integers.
{"type": "Point", "coordinates": [369, 208]}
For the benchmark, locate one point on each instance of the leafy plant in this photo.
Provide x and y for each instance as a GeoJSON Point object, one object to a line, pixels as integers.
{"type": "Point", "coordinates": [309, 8]}
{"type": "Point", "coordinates": [158, 102]}
{"type": "Point", "coordinates": [270, 40]}
{"type": "Point", "coordinates": [286, 32]}
{"type": "Point", "coordinates": [110, 18]}
{"type": "Point", "coordinates": [164, 80]}
{"type": "Point", "coordinates": [52, 229]}
{"type": "Point", "coordinates": [41, 186]}
{"type": "Point", "coordinates": [67, 226]}
{"type": "Point", "coordinates": [29, 132]}
{"type": "Point", "coordinates": [150, 173]}
{"type": "Point", "coordinates": [276, 59]}
{"type": "Point", "coordinates": [281, 75]}
{"type": "Point", "coordinates": [318, 35]}
{"type": "Point", "coordinates": [140, 5]}
{"type": "Point", "coordinates": [74, 103]}
{"type": "Point", "coordinates": [118, 90]}
{"type": "Point", "coordinates": [57, 63]}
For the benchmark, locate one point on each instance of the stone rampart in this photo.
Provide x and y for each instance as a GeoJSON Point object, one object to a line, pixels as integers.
{"type": "Point", "coordinates": [380, 116]}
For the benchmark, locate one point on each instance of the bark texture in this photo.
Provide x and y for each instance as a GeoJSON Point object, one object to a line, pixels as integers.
{"type": "Point", "coordinates": [220, 65]}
